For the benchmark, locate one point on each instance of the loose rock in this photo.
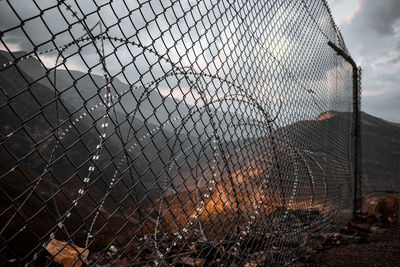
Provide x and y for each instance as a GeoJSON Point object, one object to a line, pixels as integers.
{"type": "Point", "coordinates": [66, 254]}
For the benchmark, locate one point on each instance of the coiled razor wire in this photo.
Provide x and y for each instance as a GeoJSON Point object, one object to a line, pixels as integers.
{"type": "Point", "coordinates": [163, 133]}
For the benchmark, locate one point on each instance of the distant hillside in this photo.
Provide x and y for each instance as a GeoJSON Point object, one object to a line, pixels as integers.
{"type": "Point", "coordinates": [28, 87]}
{"type": "Point", "coordinates": [380, 154]}
{"type": "Point", "coordinates": [79, 88]}
{"type": "Point", "coordinates": [380, 145]}
{"type": "Point", "coordinates": [154, 107]}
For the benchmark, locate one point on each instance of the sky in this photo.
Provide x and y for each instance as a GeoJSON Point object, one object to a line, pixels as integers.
{"type": "Point", "coordinates": [371, 30]}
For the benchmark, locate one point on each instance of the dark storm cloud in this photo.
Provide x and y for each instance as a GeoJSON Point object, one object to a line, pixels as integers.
{"type": "Point", "coordinates": [379, 16]}
{"type": "Point", "coordinates": [194, 38]}
{"type": "Point", "coordinates": [183, 26]}
{"type": "Point", "coordinates": [372, 35]}
{"type": "Point", "coordinates": [27, 14]}
{"type": "Point", "coordinates": [114, 15]}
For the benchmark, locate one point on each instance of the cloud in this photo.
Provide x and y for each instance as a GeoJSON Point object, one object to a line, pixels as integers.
{"type": "Point", "coordinates": [372, 36]}
{"type": "Point", "coordinates": [385, 105]}
{"type": "Point", "coordinates": [207, 37]}
{"type": "Point", "coordinates": [379, 16]}
{"type": "Point", "coordinates": [336, 2]}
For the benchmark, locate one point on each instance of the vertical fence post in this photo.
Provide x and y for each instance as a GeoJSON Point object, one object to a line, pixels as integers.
{"type": "Point", "coordinates": [357, 138]}
{"type": "Point", "coordinates": [356, 132]}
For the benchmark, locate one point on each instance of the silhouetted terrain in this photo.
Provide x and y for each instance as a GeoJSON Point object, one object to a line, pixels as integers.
{"type": "Point", "coordinates": [380, 154]}
{"type": "Point", "coordinates": [380, 149]}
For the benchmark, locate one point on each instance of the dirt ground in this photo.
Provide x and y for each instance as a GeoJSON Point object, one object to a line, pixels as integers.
{"type": "Point", "coordinates": [378, 250]}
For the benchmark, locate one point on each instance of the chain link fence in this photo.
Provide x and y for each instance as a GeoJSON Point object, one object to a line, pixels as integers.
{"type": "Point", "coordinates": [183, 133]}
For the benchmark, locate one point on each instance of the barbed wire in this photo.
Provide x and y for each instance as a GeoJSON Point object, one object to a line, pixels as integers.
{"type": "Point", "coordinates": [166, 133]}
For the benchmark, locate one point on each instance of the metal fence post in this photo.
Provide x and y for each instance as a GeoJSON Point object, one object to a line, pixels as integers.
{"type": "Point", "coordinates": [355, 128]}
{"type": "Point", "coordinates": [358, 136]}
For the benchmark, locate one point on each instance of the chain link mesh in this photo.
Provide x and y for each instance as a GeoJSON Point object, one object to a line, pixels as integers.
{"type": "Point", "coordinates": [186, 133]}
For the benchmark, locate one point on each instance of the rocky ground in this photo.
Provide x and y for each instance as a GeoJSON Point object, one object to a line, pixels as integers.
{"type": "Point", "coordinates": [378, 249]}
{"type": "Point", "coordinates": [372, 239]}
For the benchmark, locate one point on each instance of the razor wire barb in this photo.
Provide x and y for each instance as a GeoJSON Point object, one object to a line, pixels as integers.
{"type": "Point", "coordinates": [163, 133]}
